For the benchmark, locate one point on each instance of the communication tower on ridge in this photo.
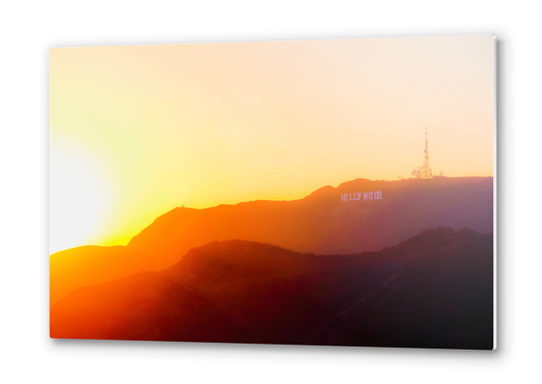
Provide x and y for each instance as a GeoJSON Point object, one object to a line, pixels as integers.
{"type": "Point", "coordinates": [424, 172]}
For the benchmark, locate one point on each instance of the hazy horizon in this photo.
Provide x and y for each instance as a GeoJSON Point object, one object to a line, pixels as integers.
{"type": "Point", "coordinates": [136, 131]}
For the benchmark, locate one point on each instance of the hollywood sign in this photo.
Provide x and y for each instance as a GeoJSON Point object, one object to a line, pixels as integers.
{"type": "Point", "coordinates": [358, 195]}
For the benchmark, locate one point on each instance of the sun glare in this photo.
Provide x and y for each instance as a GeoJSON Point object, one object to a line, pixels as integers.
{"type": "Point", "coordinates": [80, 194]}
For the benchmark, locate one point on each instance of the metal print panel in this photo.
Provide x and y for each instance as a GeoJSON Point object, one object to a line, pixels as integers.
{"type": "Point", "coordinates": [323, 192]}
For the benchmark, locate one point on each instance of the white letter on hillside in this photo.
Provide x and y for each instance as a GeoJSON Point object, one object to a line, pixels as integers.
{"type": "Point", "coordinates": [378, 195]}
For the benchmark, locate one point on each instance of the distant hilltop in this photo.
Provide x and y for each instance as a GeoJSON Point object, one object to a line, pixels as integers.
{"type": "Point", "coordinates": [319, 223]}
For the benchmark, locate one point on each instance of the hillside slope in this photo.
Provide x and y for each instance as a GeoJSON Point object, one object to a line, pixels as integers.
{"type": "Point", "coordinates": [433, 290]}
{"type": "Point", "coordinates": [319, 223]}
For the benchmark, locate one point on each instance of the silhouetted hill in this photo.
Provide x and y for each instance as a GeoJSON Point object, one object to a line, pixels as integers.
{"type": "Point", "coordinates": [433, 290]}
{"type": "Point", "coordinates": [81, 266]}
{"type": "Point", "coordinates": [145, 306]}
{"type": "Point", "coordinates": [319, 223]}
{"type": "Point", "coordinates": [440, 299]}
{"type": "Point", "coordinates": [322, 223]}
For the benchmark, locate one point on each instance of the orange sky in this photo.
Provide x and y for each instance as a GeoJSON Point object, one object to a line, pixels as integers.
{"type": "Point", "coordinates": [138, 130]}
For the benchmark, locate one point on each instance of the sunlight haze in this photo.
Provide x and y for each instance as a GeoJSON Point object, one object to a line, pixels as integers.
{"type": "Point", "coordinates": [136, 131]}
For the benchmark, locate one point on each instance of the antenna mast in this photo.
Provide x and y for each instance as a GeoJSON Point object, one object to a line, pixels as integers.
{"type": "Point", "coordinates": [426, 169]}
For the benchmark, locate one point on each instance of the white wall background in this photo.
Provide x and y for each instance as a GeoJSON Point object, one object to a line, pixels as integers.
{"type": "Point", "coordinates": [29, 29]}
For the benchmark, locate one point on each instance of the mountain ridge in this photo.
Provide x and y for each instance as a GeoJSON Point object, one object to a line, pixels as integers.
{"type": "Point", "coordinates": [249, 302]}
{"type": "Point", "coordinates": [319, 223]}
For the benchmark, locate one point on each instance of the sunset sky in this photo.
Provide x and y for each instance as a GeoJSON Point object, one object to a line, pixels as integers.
{"type": "Point", "coordinates": [138, 130]}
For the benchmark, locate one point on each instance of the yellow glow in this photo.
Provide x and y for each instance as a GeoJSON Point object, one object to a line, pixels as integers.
{"type": "Point", "coordinates": [81, 194]}
{"type": "Point", "coordinates": [207, 124]}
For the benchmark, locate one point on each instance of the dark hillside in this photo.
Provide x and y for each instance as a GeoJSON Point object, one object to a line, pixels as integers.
{"type": "Point", "coordinates": [433, 290]}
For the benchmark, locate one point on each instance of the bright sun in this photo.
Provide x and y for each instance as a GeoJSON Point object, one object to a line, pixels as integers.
{"type": "Point", "coordinates": [80, 194]}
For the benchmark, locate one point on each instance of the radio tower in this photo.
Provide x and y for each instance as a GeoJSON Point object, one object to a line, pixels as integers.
{"type": "Point", "coordinates": [426, 169]}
